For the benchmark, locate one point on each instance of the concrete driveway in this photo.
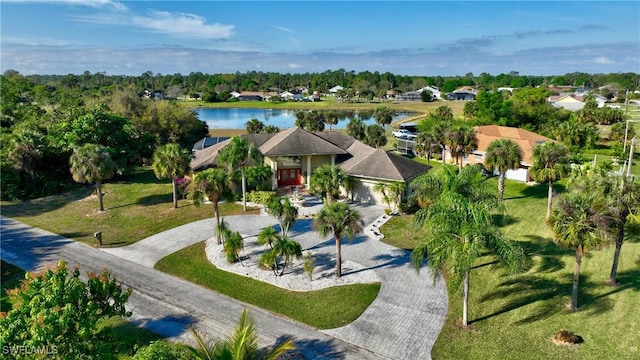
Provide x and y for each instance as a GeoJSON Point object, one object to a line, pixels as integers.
{"type": "Point", "coordinates": [403, 322]}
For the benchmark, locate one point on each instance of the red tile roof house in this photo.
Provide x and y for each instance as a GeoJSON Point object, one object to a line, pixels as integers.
{"type": "Point", "coordinates": [486, 134]}
{"type": "Point", "coordinates": [294, 153]}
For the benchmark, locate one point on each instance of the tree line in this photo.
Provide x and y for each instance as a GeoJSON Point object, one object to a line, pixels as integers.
{"type": "Point", "coordinates": [212, 86]}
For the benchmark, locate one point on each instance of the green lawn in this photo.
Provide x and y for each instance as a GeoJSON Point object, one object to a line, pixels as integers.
{"type": "Point", "coordinates": [323, 309]}
{"type": "Point", "coordinates": [516, 317]}
{"type": "Point", "coordinates": [137, 206]}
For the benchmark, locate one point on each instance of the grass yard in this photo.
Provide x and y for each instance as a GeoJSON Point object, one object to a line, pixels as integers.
{"type": "Point", "coordinates": [136, 206]}
{"type": "Point", "coordinates": [516, 317]}
{"type": "Point", "coordinates": [323, 309]}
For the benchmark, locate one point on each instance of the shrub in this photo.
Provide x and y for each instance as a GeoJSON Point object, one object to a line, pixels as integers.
{"type": "Point", "coordinates": [261, 197]}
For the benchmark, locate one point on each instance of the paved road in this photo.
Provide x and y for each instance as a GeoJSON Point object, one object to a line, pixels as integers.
{"type": "Point", "coordinates": [402, 323]}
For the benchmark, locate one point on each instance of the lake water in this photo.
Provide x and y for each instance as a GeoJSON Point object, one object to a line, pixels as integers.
{"type": "Point", "coordinates": [236, 118]}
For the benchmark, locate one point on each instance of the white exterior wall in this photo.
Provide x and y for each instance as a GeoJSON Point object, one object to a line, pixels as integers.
{"type": "Point", "coordinates": [518, 175]}
{"type": "Point", "coordinates": [364, 192]}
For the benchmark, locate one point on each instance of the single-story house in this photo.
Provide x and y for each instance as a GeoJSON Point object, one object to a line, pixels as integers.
{"type": "Point", "coordinates": [334, 90]}
{"type": "Point", "coordinates": [574, 101]}
{"type": "Point", "coordinates": [486, 134]}
{"type": "Point", "coordinates": [417, 95]}
{"type": "Point", "coordinates": [463, 93]}
{"type": "Point", "coordinates": [293, 154]}
{"type": "Point", "coordinates": [253, 95]}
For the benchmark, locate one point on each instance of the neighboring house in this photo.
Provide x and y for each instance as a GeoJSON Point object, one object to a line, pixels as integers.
{"type": "Point", "coordinates": [417, 95]}
{"type": "Point", "coordinates": [486, 134]}
{"type": "Point", "coordinates": [334, 90]}
{"type": "Point", "coordinates": [293, 154]}
{"type": "Point", "coordinates": [287, 96]}
{"type": "Point", "coordinates": [574, 101]}
{"type": "Point", "coordinates": [463, 93]}
{"type": "Point", "coordinates": [409, 96]}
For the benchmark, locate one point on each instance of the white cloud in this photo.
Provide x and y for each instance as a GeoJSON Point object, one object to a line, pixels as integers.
{"type": "Point", "coordinates": [90, 3]}
{"type": "Point", "coordinates": [184, 25]}
{"type": "Point", "coordinates": [282, 28]}
{"type": "Point", "coordinates": [602, 60]}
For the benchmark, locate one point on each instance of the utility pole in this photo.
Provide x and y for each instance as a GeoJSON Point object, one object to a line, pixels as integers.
{"type": "Point", "coordinates": [633, 143]}
{"type": "Point", "coordinates": [626, 103]}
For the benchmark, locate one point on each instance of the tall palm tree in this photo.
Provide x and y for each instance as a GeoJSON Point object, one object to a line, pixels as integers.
{"type": "Point", "coordinates": [92, 163]}
{"type": "Point", "coordinates": [622, 196]}
{"type": "Point", "coordinates": [212, 183]}
{"type": "Point", "coordinates": [424, 144]}
{"type": "Point", "coordinates": [550, 163]}
{"type": "Point", "coordinates": [339, 220]}
{"type": "Point", "coordinates": [171, 161]}
{"type": "Point", "coordinates": [461, 140]}
{"type": "Point", "coordinates": [383, 116]}
{"type": "Point", "coordinates": [581, 222]}
{"type": "Point", "coordinates": [356, 129]}
{"type": "Point", "coordinates": [460, 228]}
{"type": "Point", "coordinates": [239, 153]}
{"type": "Point", "coordinates": [328, 179]}
{"type": "Point", "coordinates": [502, 155]}
{"type": "Point", "coordinates": [242, 344]}
{"type": "Point", "coordinates": [331, 118]}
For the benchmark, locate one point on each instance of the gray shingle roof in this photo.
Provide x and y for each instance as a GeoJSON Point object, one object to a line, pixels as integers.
{"type": "Point", "coordinates": [295, 142]}
{"type": "Point", "coordinates": [379, 164]}
{"type": "Point", "coordinates": [360, 160]}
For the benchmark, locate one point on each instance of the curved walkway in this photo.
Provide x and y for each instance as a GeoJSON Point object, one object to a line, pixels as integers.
{"type": "Point", "coordinates": [404, 320]}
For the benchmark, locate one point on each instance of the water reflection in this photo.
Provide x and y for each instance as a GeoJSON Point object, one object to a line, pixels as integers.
{"type": "Point", "coordinates": [236, 118]}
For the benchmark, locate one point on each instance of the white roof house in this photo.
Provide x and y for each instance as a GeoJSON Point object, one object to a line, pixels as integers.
{"type": "Point", "coordinates": [335, 89]}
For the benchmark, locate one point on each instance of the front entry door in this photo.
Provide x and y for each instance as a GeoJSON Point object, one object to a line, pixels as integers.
{"type": "Point", "coordinates": [288, 177]}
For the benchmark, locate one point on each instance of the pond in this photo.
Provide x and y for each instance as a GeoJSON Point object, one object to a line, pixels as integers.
{"type": "Point", "coordinates": [236, 118]}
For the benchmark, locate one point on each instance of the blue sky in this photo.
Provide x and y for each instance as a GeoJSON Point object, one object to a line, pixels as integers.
{"type": "Point", "coordinates": [403, 37]}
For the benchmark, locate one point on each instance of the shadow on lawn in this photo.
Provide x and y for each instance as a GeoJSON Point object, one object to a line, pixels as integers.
{"type": "Point", "coordinates": [39, 206]}
{"type": "Point", "coordinates": [550, 295]}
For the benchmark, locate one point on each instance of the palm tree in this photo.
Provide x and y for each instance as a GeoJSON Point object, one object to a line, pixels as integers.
{"type": "Point", "coordinates": [550, 163]}
{"type": "Point", "coordinates": [171, 161]}
{"type": "Point", "coordinates": [212, 183]}
{"type": "Point", "coordinates": [287, 249]}
{"type": "Point", "coordinates": [254, 126]}
{"type": "Point", "coordinates": [580, 222]}
{"type": "Point", "coordinates": [356, 129]}
{"type": "Point", "coordinates": [375, 136]}
{"type": "Point", "coordinates": [461, 140]}
{"type": "Point", "coordinates": [237, 154]}
{"type": "Point", "coordinates": [383, 116]}
{"type": "Point", "coordinates": [92, 163]}
{"type": "Point", "coordinates": [502, 155]}
{"type": "Point", "coordinates": [268, 235]}
{"type": "Point", "coordinates": [232, 246]}
{"type": "Point", "coordinates": [460, 228]}
{"type": "Point", "coordinates": [622, 196]}
{"type": "Point", "coordinates": [242, 344]}
{"type": "Point", "coordinates": [284, 212]}
{"type": "Point", "coordinates": [331, 118]}
{"type": "Point", "coordinates": [223, 231]}
{"type": "Point", "coordinates": [339, 220]}
{"type": "Point", "coordinates": [424, 143]}
{"type": "Point", "coordinates": [328, 179]}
